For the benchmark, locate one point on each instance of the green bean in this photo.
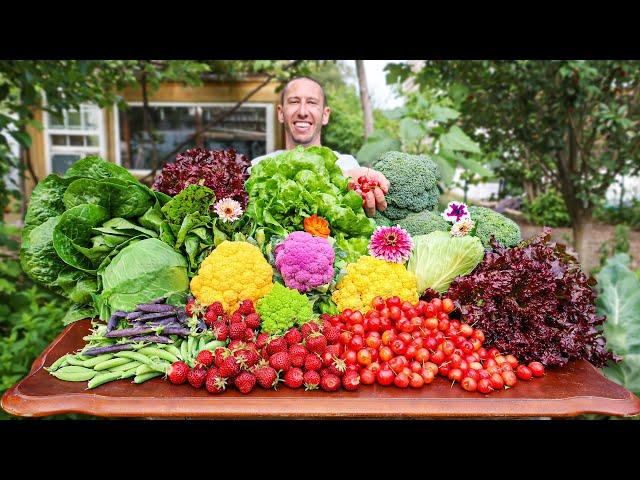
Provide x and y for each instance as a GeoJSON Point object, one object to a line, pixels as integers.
{"type": "Point", "coordinates": [57, 364]}
{"type": "Point", "coordinates": [114, 362]}
{"type": "Point", "coordinates": [156, 352]}
{"type": "Point", "coordinates": [128, 373]}
{"type": "Point", "coordinates": [126, 366]}
{"type": "Point", "coordinates": [145, 377]}
{"type": "Point", "coordinates": [134, 356]}
{"type": "Point", "coordinates": [74, 373]}
{"type": "Point", "coordinates": [103, 378]}
{"type": "Point", "coordinates": [92, 362]}
{"type": "Point", "coordinates": [213, 345]}
{"type": "Point", "coordinates": [173, 350]}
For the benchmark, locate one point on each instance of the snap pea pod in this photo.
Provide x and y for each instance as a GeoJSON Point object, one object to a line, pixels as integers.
{"type": "Point", "coordinates": [184, 350]}
{"type": "Point", "coordinates": [128, 373]}
{"type": "Point", "coordinates": [108, 364]}
{"type": "Point", "coordinates": [156, 352]}
{"type": "Point", "coordinates": [61, 362]}
{"type": "Point", "coordinates": [134, 356]}
{"type": "Point", "coordinates": [201, 343]}
{"type": "Point", "coordinates": [75, 361]}
{"type": "Point", "coordinates": [92, 362]}
{"type": "Point", "coordinates": [190, 341]}
{"type": "Point", "coordinates": [213, 345]}
{"type": "Point", "coordinates": [145, 377]}
{"type": "Point", "coordinates": [92, 338]}
{"type": "Point", "coordinates": [152, 367]}
{"type": "Point", "coordinates": [174, 350]}
{"type": "Point", "coordinates": [103, 378]}
{"type": "Point", "coordinates": [74, 373]}
{"type": "Point", "coordinates": [133, 364]}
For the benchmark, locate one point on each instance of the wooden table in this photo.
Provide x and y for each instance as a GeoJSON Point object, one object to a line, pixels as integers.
{"type": "Point", "coordinates": [572, 390]}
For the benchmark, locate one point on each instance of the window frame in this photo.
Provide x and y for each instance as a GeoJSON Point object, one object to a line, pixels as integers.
{"type": "Point", "coordinates": [100, 150]}
{"type": "Point", "coordinates": [269, 117]}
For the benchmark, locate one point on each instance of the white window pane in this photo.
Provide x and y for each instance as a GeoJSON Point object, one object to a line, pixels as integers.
{"type": "Point", "coordinates": [92, 141]}
{"type": "Point", "coordinates": [60, 162]}
{"type": "Point", "coordinates": [59, 140]}
{"type": "Point", "coordinates": [76, 140]}
{"type": "Point", "coordinates": [91, 118]}
{"type": "Point", "coordinates": [73, 120]}
{"type": "Point", "coordinates": [56, 121]}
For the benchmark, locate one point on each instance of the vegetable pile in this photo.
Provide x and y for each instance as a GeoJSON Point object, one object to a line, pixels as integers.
{"type": "Point", "coordinates": [289, 281]}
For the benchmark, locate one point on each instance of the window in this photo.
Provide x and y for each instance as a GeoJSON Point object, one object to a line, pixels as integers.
{"type": "Point", "coordinates": [249, 130]}
{"type": "Point", "coordinates": [73, 135]}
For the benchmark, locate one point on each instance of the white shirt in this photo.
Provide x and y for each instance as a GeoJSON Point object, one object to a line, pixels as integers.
{"type": "Point", "coordinates": [345, 162]}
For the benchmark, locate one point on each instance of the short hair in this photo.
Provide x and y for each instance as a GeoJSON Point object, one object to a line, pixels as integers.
{"type": "Point", "coordinates": [284, 90]}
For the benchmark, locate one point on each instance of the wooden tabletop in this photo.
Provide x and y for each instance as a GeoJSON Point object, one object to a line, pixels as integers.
{"type": "Point", "coordinates": [575, 389]}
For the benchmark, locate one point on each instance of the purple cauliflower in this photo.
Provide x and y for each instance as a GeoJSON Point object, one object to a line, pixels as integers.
{"type": "Point", "coordinates": [304, 261]}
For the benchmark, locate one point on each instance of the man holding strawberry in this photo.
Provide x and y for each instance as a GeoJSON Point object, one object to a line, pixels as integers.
{"type": "Point", "coordinates": [303, 111]}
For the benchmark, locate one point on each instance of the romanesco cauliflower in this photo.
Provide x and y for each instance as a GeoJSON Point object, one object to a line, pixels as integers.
{"type": "Point", "coordinates": [369, 277]}
{"type": "Point", "coordinates": [283, 308]}
{"type": "Point", "coordinates": [233, 272]}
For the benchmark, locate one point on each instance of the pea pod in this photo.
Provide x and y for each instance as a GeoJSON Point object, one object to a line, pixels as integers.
{"type": "Point", "coordinates": [103, 378]}
{"type": "Point", "coordinates": [74, 373]}
{"type": "Point", "coordinates": [201, 343]}
{"type": "Point", "coordinates": [143, 369]}
{"type": "Point", "coordinates": [190, 345]}
{"type": "Point", "coordinates": [213, 345]}
{"type": "Point", "coordinates": [156, 352]}
{"type": "Point", "coordinates": [134, 356]}
{"type": "Point", "coordinates": [184, 350]}
{"type": "Point", "coordinates": [92, 362]}
{"type": "Point", "coordinates": [145, 377]}
{"type": "Point", "coordinates": [128, 373]}
{"type": "Point", "coordinates": [173, 350]}
{"type": "Point", "coordinates": [126, 366]}
{"type": "Point", "coordinates": [57, 364]}
{"type": "Point", "coordinates": [114, 362]}
{"type": "Point", "coordinates": [75, 361]}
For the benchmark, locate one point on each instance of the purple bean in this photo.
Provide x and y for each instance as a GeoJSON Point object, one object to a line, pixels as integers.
{"type": "Point", "coordinates": [128, 332]}
{"type": "Point", "coordinates": [120, 314]}
{"type": "Point", "coordinates": [164, 321]}
{"type": "Point", "coordinates": [154, 316]}
{"type": "Point", "coordinates": [108, 349]}
{"type": "Point", "coordinates": [176, 331]}
{"type": "Point", "coordinates": [183, 317]}
{"type": "Point", "coordinates": [151, 338]}
{"type": "Point", "coordinates": [155, 308]}
{"type": "Point", "coordinates": [133, 315]}
{"type": "Point", "coordinates": [113, 322]}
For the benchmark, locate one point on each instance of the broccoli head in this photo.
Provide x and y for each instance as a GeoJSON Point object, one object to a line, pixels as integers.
{"type": "Point", "coordinates": [423, 223]}
{"type": "Point", "coordinates": [381, 220]}
{"type": "Point", "coordinates": [414, 181]}
{"type": "Point", "coordinates": [489, 222]}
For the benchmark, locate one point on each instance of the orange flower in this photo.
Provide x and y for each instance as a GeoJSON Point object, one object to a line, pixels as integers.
{"type": "Point", "coordinates": [317, 226]}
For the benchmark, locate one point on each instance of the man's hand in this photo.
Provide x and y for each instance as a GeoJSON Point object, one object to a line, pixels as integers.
{"type": "Point", "coordinates": [374, 199]}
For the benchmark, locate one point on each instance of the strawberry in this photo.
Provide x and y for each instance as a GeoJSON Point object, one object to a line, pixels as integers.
{"type": "Point", "coordinates": [221, 353]}
{"type": "Point", "coordinates": [236, 344]}
{"type": "Point", "coordinates": [197, 376]}
{"type": "Point", "coordinates": [236, 318]}
{"type": "Point", "coordinates": [316, 343]}
{"type": "Point", "coordinates": [249, 357]}
{"type": "Point", "coordinates": [264, 354]}
{"type": "Point", "coordinates": [280, 361]}
{"type": "Point", "coordinates": [249, 334]}
{"type": "Point", "coordinates": [324, 371]}
{"type": "Point", "coordinates": [276, 345]}
{"type": "Point", "coordinates": [230, 367]}
{"type": "Point", "coordinates": [331, 333]}
{"type": "Point", "coordinates": [220, 330]}
{"type": "Point", "coordinates": [215, 309]}
{"type": "Point", "coordinates": [205, 358]}
{"type": "Point", "coordinates": [226, 318]}
{"type": "Point", "coordinates": [293, 336]}
{"type": "Point", "coordinates": [350, 381]}
{"type": "Point", "coordinates": [246, 307]}
{"type": "Point", "coordinates": [297, 359]}
{"type": "Point", "coordinates": [294, 378]}
{"type": "Point", "coordinates": [262, 340]}
{"type": "Point", "coordinates": [252, 320]}
{"type": "Point", "coordinates": [338, 367]}
{"type": "Point", "coordinates": [335, 349]}
{"type": "Point", "coordinates": [325, 323]}
{"type": "Point", "coordinates": [194, 307]}
{"type": "Point", "coordinates": [267, 377]}
{"type": "Point", "coordinates": [308, 328]}
{"type": "Point", "coordinates": [325, 316]}
{"type": "Point", "coordinates": [311, 380]}
{"type": "Point", "coordinates": [245, 382]}
{"type": "Point", "coordinates": [177, 372]}
{"type": "Point", "coordinates": [330, 383]}
{"type": "Point", "coordinates": [298, 349]}
{"type": "Point", "coordinates": [312, 362]}
{"type": "Point", "coordinates": [237, 330]}
{"type": "Point", "coordinates": [214, 382]}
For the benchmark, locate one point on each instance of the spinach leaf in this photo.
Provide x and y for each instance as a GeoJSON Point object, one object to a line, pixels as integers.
{"type": "Point", "coordinates": [46, 201]}
{"type": "Point", "coordinates": [122, 199]}
{"type": "Point", "coordinates": [38, 256]}
{"type": "Point", "coordinates": [98, 169]}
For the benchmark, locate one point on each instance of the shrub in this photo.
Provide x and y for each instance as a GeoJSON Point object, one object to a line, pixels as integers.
{"type": "Point", "coordinates": [548, 210]}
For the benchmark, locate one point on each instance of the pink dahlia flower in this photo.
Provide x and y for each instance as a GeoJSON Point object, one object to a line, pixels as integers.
{"type": "Point", "coordinates": [393, 244]}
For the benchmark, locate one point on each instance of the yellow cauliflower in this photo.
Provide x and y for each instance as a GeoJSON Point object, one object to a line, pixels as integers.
{"type": "Point", "coordinates": [233, 272]}
{"type": "Point", "coordinates": [369, 277]}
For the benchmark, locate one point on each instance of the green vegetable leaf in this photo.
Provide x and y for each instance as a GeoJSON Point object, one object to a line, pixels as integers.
{"type": "Point", "coordinates": [46, 200]}
{"type": "Point", "coordinates": [372, 150]}
{"type": "Point", "coordinates": [411, 131]}
{"type": "Point", "coordinates": [98, 169]}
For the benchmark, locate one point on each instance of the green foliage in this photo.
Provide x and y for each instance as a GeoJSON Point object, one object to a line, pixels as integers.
{"type": "Point", "coordinates": [491, 223]}
{"type": "Point", "coordinates": [619, 300]}
{"type": "Point", "coordinates": [627, 214]}
{"type": "Point", "coordinates": [548, 210]}
{"type": "Point", "coordinates": [620, 244]}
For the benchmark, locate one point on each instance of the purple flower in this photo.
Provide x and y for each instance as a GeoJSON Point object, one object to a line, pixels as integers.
{"type": "Point", "coordinates": [455, 212]}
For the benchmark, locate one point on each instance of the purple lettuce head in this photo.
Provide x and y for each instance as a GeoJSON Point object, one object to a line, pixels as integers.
{"type": "Point", "coordinates": [304, 261]}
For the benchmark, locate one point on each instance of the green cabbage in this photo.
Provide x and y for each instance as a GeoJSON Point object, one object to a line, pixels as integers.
{"type": "Point", "coordinates": [438, 258]}
{"type": "Point", "coordinates": [139, 273]}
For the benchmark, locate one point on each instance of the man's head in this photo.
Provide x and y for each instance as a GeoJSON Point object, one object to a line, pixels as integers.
{"type": "Point", "coordinates": [303, 111]}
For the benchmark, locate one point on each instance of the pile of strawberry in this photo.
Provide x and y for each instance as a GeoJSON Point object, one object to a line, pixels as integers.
{"type": "Point", "coordinates": [301, 357]}
{"type": "Point", "coordinates": [408, 345]}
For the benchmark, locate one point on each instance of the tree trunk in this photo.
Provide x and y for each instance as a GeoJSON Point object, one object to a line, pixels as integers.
{"type": "Point", "coordinates": [529, 189]}
{"type": "Point", "coordinates": [365, 99]}
{"type": "Point", "coordinates": [582, 229]}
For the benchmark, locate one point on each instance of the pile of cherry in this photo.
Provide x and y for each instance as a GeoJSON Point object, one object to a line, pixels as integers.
{"type": "Point", "coordinates": [395, 343]}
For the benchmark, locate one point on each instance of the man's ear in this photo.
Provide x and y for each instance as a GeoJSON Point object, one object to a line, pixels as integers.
{"type": "Point", "coordinates": [325, 115]}
{"type": "Point", "coordinates": [280, 113]}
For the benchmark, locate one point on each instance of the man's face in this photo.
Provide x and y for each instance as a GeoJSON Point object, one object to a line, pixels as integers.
{"type": "Point", "coordinates": [303, 112]}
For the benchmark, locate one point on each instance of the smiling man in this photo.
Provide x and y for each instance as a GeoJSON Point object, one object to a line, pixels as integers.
{"type": "Point", "coordinates": [303, 111]}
